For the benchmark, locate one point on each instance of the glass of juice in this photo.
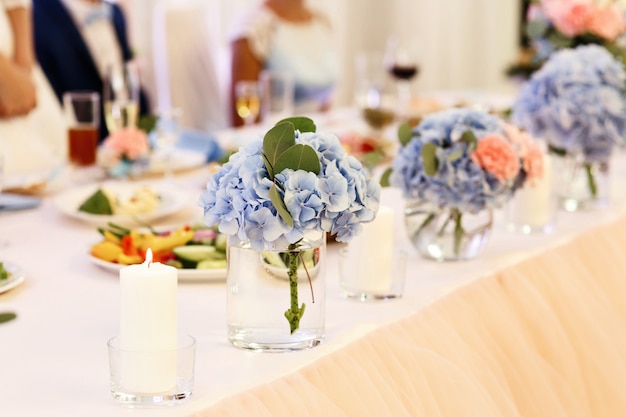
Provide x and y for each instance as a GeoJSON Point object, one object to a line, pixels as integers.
{"type": "Point", "coordinates": [82, 111]}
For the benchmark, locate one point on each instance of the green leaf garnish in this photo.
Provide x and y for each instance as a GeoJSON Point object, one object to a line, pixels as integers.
{"type": "Point", "coordinates": [297, 157]}
{"type": "Point", "coordinates": [281, 207]}
{"type": "Point", "coordinates": [4, 317]}
{"type": "Point", "coordinates": [405, 134]}
{"type": "Point", "coordinates": [277, 140]}
{"type": "Point", "coordinates": [429, 158]}
{"type": "Point", "coordinates": [303, 124]}
{"type": "Point", "coordinates": [97, 203]}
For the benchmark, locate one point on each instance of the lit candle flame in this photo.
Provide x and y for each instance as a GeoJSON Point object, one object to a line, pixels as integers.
{"type": "Point", "coordinates": [148, 260]}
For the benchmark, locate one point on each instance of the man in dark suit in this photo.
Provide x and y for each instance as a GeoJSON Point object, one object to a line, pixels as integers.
{"type": "Point", "coordinates": [70, 59]}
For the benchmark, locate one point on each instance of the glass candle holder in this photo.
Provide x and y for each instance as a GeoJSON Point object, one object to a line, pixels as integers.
{"type": "Point", "coordinates": [379, 279]}
{"type": "Point", "coordinates": [152, 378]}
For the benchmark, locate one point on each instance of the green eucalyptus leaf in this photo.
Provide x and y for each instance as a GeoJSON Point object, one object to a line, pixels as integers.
{"type": "Point", "coordinates": [279, 203]}
{"type": "Point", "coordinates": [384, 179]}
{"type": "Point", "coordinates": [4, 317]}
{"type": "Point", "coordinates": [405, 134]}
{"type": "Point", "coordinates": [470, 138]}
{"type": "Point", "coordinates": [297, 157]}
{"type": "Point", "coordinates": [303, 124]}
{"type": "Point", "coordinates": [429, 158]}
{"type": "Point", "coordinates": [455, 156]}
{"type": "Point", "coordinates": [536, 28]}
{"type": "Point", "coordinates": [268, 166]}
{"type": "Point", "coordinates": [557, 151]}
{"type": "Point", "coordinates": [277, 140]}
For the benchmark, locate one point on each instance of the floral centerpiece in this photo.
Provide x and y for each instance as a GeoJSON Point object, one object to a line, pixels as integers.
{"type": "Point", "coordinates": [122, 150]}
{"type": "Point", "coordinates": [577, 103]}
{"type": "Point", "coordinates": [557, 24]}
{"type": "Point", "coordinates": [273, 193]}
{"type": "Point", "coordinates": [464, 162]}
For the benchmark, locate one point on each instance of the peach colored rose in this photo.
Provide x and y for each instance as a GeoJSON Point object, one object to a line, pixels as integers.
{"type": "Point", "coordinates": [607, 22]}
{"type": "Point", "coordinates": [571, 18]}
{"type": "Point", "coordinates": [129, 142]}
{"type": "Point", "coordinates": [528, 149]}
{"type": "Point", "coordinates": [496, 155]}
{"type": "Point", "coordinates": [532, 162]}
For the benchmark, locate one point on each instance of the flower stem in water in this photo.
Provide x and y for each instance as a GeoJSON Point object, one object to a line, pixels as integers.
{"type": "Point", "coordinates": [294, 313]}
{"type": "Point", "coordinates": [591, 180]}
{"type": "Point", "coordinates": [458, 231]}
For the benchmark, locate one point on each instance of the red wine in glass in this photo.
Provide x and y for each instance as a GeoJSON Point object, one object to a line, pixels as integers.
{"type": "Point", "coordinates": [404, 72]}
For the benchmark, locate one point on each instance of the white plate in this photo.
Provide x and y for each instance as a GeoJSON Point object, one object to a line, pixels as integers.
{"type": "Point", "coordinates": [16, 278]}
{"type": "Point", "coordinates": [213, 275]}
{"type": "Point", "coordinates": [176, 160]}
{"type": "Point", "coordinates": [68, 202]}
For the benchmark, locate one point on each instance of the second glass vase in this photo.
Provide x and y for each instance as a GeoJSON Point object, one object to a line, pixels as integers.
{"type": "Point", "coordinates": [445, 234]}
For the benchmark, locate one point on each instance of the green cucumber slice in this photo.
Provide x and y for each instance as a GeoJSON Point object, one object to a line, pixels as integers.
{"type": "Point", "coordinates": [194, 253]}
{"type": "Point", "coordinates": [212, 264]}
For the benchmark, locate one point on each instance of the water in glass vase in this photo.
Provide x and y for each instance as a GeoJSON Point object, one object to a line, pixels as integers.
{"type": "Point", "coordinates": [260, 296]}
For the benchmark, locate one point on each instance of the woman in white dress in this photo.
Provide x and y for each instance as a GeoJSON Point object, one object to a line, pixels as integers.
{"type": "Point", "coordinates": [287, 36]}
{"type": "Point", "coordinates": [32, 129]}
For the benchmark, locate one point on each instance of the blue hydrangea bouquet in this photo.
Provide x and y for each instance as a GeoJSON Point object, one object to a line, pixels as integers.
{"type": "Point", "coordinates": [272, 192]}
{"type": "Point", "coordinates": [460, 160]}
{"type": "Point", "coordinates": [577, 103]}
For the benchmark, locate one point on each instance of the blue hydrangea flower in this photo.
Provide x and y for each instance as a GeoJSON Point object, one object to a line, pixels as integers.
{"type": "Point", "coordinates": [337, 200]}
{"type": "Point", "coordinates": [459, 183]}
{"type": "Point", "coordinates": [576, 102]}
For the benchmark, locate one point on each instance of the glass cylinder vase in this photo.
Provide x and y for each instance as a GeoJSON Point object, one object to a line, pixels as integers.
{"type": "Point", "coordinates": [276, 296]}
{"type": "Point", "coordinates": [445, 234]}
{"type": "Point", "coordinates": [581, 185]}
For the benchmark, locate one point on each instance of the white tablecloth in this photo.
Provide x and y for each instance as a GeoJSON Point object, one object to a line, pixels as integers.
{"type": "Point", "coordinates": [53, 357]}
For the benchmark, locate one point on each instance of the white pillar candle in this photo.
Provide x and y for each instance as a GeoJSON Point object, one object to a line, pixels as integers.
{"type": "Point", "coordinates": [374, 249]}
{"type": "Point", "coordinates": [148, 326]}
{"type": "Point", "coordinates": [532, 205]}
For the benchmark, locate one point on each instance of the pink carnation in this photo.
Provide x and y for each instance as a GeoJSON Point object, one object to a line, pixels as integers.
{"type": "Point", "coordinates": [571, 18]}
{"type": "Point", "coordinates": [496, 155]}
{"type": "Point", "coordinates": [528, 149]}
{"type": "Point", "coordinates": [607, 22]}
{"type": "Point", "coordinates": [129, 142]}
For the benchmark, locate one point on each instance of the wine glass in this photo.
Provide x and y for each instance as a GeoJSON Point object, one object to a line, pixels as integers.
{"type": "Point", "coordinates": [401, 62]}
{"type": "Point", "coordinates": [248, 101]}
{"type": "Point", "coordinates": [121, 97]}
{"type": "Point", "coordinates": [167, 134]}
{"type": "Point", "coordinates": [374, 95]}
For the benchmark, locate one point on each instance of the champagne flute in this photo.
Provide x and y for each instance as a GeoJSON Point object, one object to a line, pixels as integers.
{"type": "Point", "coordinates": [121, 97]}
{"type": "Point", "coordinates": [248, 101]}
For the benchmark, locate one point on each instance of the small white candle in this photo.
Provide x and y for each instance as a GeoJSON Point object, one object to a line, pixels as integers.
{"type": "Point", "coordinates": [374, 249]}
{"type": "Point", "coordinates": [148, 326]}
{"type": "Point", "coordinates": [532, 204]}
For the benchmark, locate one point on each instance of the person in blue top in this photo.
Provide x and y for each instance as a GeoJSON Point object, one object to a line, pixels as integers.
{"type": "Point", "coordinates": [286, 36]}
{"type": "Point", "coordinates": [76, 41]}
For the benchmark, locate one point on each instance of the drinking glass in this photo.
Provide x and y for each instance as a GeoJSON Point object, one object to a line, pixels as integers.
{"type": "Point", "coordinates": [82, 112]}
{"type": "Point", "coordinates": [402, 63]}
{"type": "Point", "coordinates": [277, 96]}
{"type": "Point", "coordinates": [121, 97]}
{"type": "Point", "coordinates": [248, 101]}
{"type": "Point", "coordinates": [374, 94]}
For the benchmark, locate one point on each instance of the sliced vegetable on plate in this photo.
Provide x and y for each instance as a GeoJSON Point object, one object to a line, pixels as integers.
{"type": "Point", "coordinates": [186, 247]}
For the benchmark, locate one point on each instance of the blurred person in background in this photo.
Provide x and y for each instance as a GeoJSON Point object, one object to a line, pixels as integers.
{"type": "Point", "coordinates": [286, 36]}
{"type": "Point", "coordinates": [76, 41]}
{"type": "Point", "coordinates": [32, 130]}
